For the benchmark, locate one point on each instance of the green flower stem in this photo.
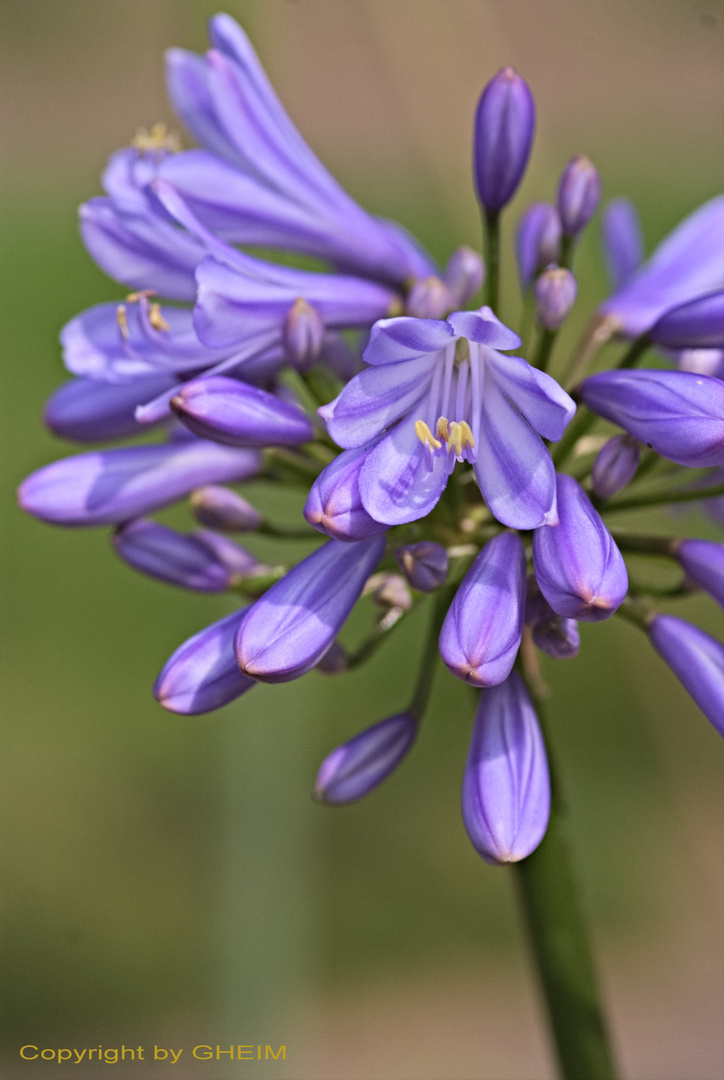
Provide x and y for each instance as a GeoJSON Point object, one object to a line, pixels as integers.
{"type": "Point", "coordinates": [545, 347]}
{"type": "Point", "coordinates": [282, 533]}
{"type": "Point", "coordinates": [568, 247]}
{"type": "Point", "coordinates": [491, 229]}
{"type": "Point", "coordinates": [635, 352]}
{"type": "Point", "coordinates": [430, 653]}
{"type": "Point", "coordinates": [663, 498]}
{"type": "Point", "coordinates": [647, 545]}
{"type": "Point", "coordinates": [579, 425]}
{"type": "Point", "coordinates": [559, 941]}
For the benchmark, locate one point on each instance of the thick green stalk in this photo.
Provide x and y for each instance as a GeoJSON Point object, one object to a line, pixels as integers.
{"type": "Point", "coordinates": [545, 347]}
{"type": "Point", "coordinates": [491, 229]}
{"type": "Point", "coordinates": [663, 498]}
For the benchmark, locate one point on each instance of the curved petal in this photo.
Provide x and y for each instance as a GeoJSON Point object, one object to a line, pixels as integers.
{"type": "Point", "coordinates": [396, 483]}
{"type": "Point", "coordinates": [545, 405]}
{"type": "Point", "coordinates": [405, 338]}
{"type": "Point", "coordinates": [484, 327]}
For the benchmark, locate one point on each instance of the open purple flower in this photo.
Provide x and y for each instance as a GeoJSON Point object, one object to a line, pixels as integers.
{"type": "Point", "coordinates": [451, 396]}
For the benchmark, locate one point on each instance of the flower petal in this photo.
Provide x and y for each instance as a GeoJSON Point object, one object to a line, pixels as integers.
{"type": "Point", "coordinates": [396, 483]}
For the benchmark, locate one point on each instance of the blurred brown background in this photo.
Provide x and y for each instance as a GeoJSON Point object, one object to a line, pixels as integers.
{"type": "Point", "coordinates": [169, 881]}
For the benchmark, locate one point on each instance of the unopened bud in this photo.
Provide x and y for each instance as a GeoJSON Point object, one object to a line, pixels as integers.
{"type": "Point", "coordinates": [428, 299]}
{"type": "Point", "coordinates": [615, 466]}
{"type": "Point", "coordinates": [503, 136]}
{"type": "Point", "coordinates": [464, 274]}
{"type": "Point", "coordinates": [335, 660]}
{"type": "Point", "coordinates": [389, 591]}
{"type": "Point", "coordinates": [424, 565]}
{"type": "Point", "coordinates": [555, 293]}
{"type": "Point", "coordinates": [356, 767]}
{"type": "Point", "coordinates": [302, 334]}
{"type": "Point", "coordinates": [537, 241]}
{"type": "Point", "coordinates": [579, 192]}
{"type": "Point", "coordinates": [698, 324]}
{"type": "Point", "coordinates": [220, 507]}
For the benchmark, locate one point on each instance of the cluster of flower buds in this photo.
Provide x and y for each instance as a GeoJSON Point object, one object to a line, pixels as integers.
{"type": "Point", "coordinates": [428, 468]}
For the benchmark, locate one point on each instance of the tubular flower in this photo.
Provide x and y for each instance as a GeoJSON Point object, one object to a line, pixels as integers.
{"type": "Point", "coordinates": [356, 767]}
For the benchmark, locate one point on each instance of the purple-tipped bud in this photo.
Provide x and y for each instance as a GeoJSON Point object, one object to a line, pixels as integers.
{"type": "Point", "coordinates": [334, 505]}
{"type": "Point", "coordinates": [425, 565]}
{"type": "Point", "coordinates": [482, 630]}
{"type": "Point", "coordinates": [506, 787]}
{"type": "Point", "coordinates": [579, 191]}
{"type": "Point", "coordinates": [676, 413]}
{"type": "Point", "coordinates": [222, 508]}
{"type": "Point", "coordinates": [623, 245]}
{"type": "Point", "coordinates": [238, 561]}
{"type": "Point", "coordinates": [88, 410]}
{"type": "Point", "coordinates": [703, 561]}
{"type": "Point", "coordinates": [554, 635]}
{"type": "Point", "coordinates": [286, 632]}
{"type": "Point", "coordinates": [699, 324]}
{"type": "Point", "coordinates": [537, 241]}
{"type": "Point", "coordinates": [202, 674]}
{"type": "Point", "coordinates": [170, 556]}
{"type": "Point", "coordinates": [239, 414]}
{"type": "Point", "coordinates": [428, 299]}
{"type": "Point", "coordinates": [578, 567]}
{"type": "Point", "coordinates": [302, 334]}
{"type": "Point", "coordinates": [696, 659]}
{"type": "Point", "coordinates": [106, 487]}
{"type": "Point", "coordinates": [464, 275]}
{"type": "Point", "coordinates": [356, 767]}
{"type": "Point", "coordinates": [503, 137]}
{"type": "Point", "coordinates": [615, 466]}
{"type": "Point", "coordinates": [555, 293]}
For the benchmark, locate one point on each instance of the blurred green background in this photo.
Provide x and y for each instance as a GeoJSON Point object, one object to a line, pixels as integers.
{"type": "Point", "coordinates": [168, 881]}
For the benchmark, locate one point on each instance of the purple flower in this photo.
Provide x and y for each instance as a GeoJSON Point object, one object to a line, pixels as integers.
{"type": "Point", "coordinates": [696, 659]}
{"type": "Point", "coordinates": [503, 137]}
{"type": "Point", "coordinates": [86, 410]}
{"type": "Point", "coordinates": [222, 508]}
{"type": "Point", "coordinates": [697, 324]}
{"type": "Point", "coordinates": [425, 564]}
{"type": "Point", "coordinates": [579, 569]}
{"type": "Point", "coordinates": [703, 561]}
{"type": "Point", "coordinates": [506, 787]}
{"type": "Point", "coordinates": [356, 767]}
{"type": "Point", "coordinates": [685, 265]}
{"type": "Point", "coordinates": [464, 275]}
{"type": "Point", "coordinates": [284, 634]}
{"type": "Point", "coordinates": [482, 631]}
{"type": "Point", "coordinates": [579, 192]}
{"type": "Point", "coordinates": [702, 361]}
{"type": "Point", "coordinates": [106, 487]}
{"type": "Point", "coordinates": [239, 562]}
{"type": "Point", "coordinates": [456, 397]}
{"type": "Point", "coordinates": [623, 244]}
{"type": "Point", "coordinates": [537, 241]}
{"type": "Point", "coordinates": [615, 466]}
{"type": "Point", "coordinates": [555, 294]}
{"type": "Point", "coordinates": [553, 634]}
{"type": "Point", "coordinates": [334, 505]}
{"type": "Point", "coordinates": [678, 414]}
{"type": "Point", "coordinates": [302, 335]}
{"type": "Point", "coordinates": [170, 556]}
{"type": "Point", "coordinates": [238, 414]}
{"type": "Point", "coordinates": [202, 674]}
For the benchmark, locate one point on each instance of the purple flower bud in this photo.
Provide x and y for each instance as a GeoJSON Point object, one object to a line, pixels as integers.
{"type": "Point", "coordinates": [302, 334]}
{"type": "Point", "coordinates": [222, 508]}
{"type": "Point", "coordinates": [555, 293]}
{"type": "Point", "coordinates": [286, 632]}
{"type": "Point", "coordinates": [464, 275]}
{"type": "Point", "coordinates": [424, 565]}
{"type": "Point", "coordinates": [579, 569]}
{"type": "Point", "coordinates": [428, 299]}
{"type": "Point", "coordinates": [623, 245]}
{"type": "Point", "coordinates": [615, 466]}
{"type": "Point", "coordinates": [170, 556]}
{"type": "Point", "coordinates": [537, 241]}
{"type": "Point", "coordinates": [202, 674]}
{"type": "Point", "coordinates": [482, 630]}
{"type": "Point", "coordinates": [503, 136]}
{"type": "Point", "coordinates": [390, 591]}
{"type": "Point", "coordinates": [676, 413]}
{"type": "Point", "coordinates": [238, 561]}
{"type": "Point", "coordinates": [356, 767]}
{"type": "Point", "coordinates": [698, 324]}
{"type": "Point", "coordinates": [703, 561]}
{"type": "Point", "coordinates": [88, 410]}
{"type": "Point", "coordinates": [334, 505]}
{"type": "Point", "coordinates": [554, 635]}
{"type": "Point", "coordinates": [696, 659]}
{"type": "Point", "coordinates": [335, 660]}
{"type": "Point", "coordinates": [106, 487]}
{"type": "Point", "coordinates": [579, 191]}
{"type": "Point", "coordinates": [506, 787]}
{"type": "Point", "coordinates": [239, 414]}
{"type": "Point", "coordinates": [702, 361]}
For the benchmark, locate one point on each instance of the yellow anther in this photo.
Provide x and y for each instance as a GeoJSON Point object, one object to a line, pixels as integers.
{"type": "Point", "coordinates": [122, 320]}
{"type": "Point", "coordinates": [157, 139]}
{"type": "Point", "coordinates": [134, 297]}
{"type": "Point", "coordinates": [156, 319]}
{"type": "Point", "coordinates": [441, 431]}
{"type": "Point", "coordinates": [425, 436]}
{"type": "Point", "coordinates": [460, 436]}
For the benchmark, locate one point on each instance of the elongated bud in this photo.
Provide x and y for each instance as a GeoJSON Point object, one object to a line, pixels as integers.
{"type": "Point", "coordinates": [202, 674]}
{"type": "Point", "coordinates": [506, 787]}
{"type": "Point", "coordinates": [286, 632]}
{"type": "Point", "coordinates": [238, 561]}
{"type": "Point", "coordinates": [170, 556]}
{"type": "Point", "coordinates": [106, 487]}
{"type": "Point", "coordinates": [356, 767]}
{"type": "Point", "coordinates": [555, 294]}
{"type": "Point", "coordinates": [484, 625]}
{"type": "Point", "coordinates": [578, 567]}
{"type": "Point", "coordinates": [553, 634]}
{"type": "Point", "coordinates": [615, 466]}
{"type": "Point", "coordinates": [239, 414]}
{"type": "Point", "coordinates": [579, 191]}
{"type": "Point", "coordinates": [703, 561]}
{"type": "Point", "coordinates": [678, 414]}
{"type": "Point", "coordinates": [699, 324]}
{"type": "Point", "coordinates": [334, 505]}
{"type": "Point", "coordinates": [623, 245]}
{"type": "Point", "coordinates": [537, 241]}
{"type": "Point", "coordinates": [302, 334]}
{"type": "Point", "coordinates": [696, 659]}
{"type": "Point", "coordinates": [88, 410]}
{"type": "Point", "coordinates": [425, 565]}
{"type": "Point", "coordinates": [223, 508]}
{"type": "Point", "coordinates": [464, 275]}
{"type": "Point", "coordinates": [428, 299]}
{"type": "Point", "coordinates": [503, 137]}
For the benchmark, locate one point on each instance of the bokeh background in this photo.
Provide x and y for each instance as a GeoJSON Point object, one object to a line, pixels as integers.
{"type": "Point", "coordinates": [168, 881]}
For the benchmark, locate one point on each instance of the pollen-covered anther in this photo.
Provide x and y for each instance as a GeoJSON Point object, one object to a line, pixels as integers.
{"type": "Point", "coordinates": [156, 319]}
{"type": "Point", "coordinates": [159, 138]}
{"type": "Point", "coordinates": [425, 436]}
{"type": "Point", "coordinates": [135, 297]}
{"type": "Point", "coordinates": [122, 320]}
{"type": "Point", "coordinates": [460, 436]}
